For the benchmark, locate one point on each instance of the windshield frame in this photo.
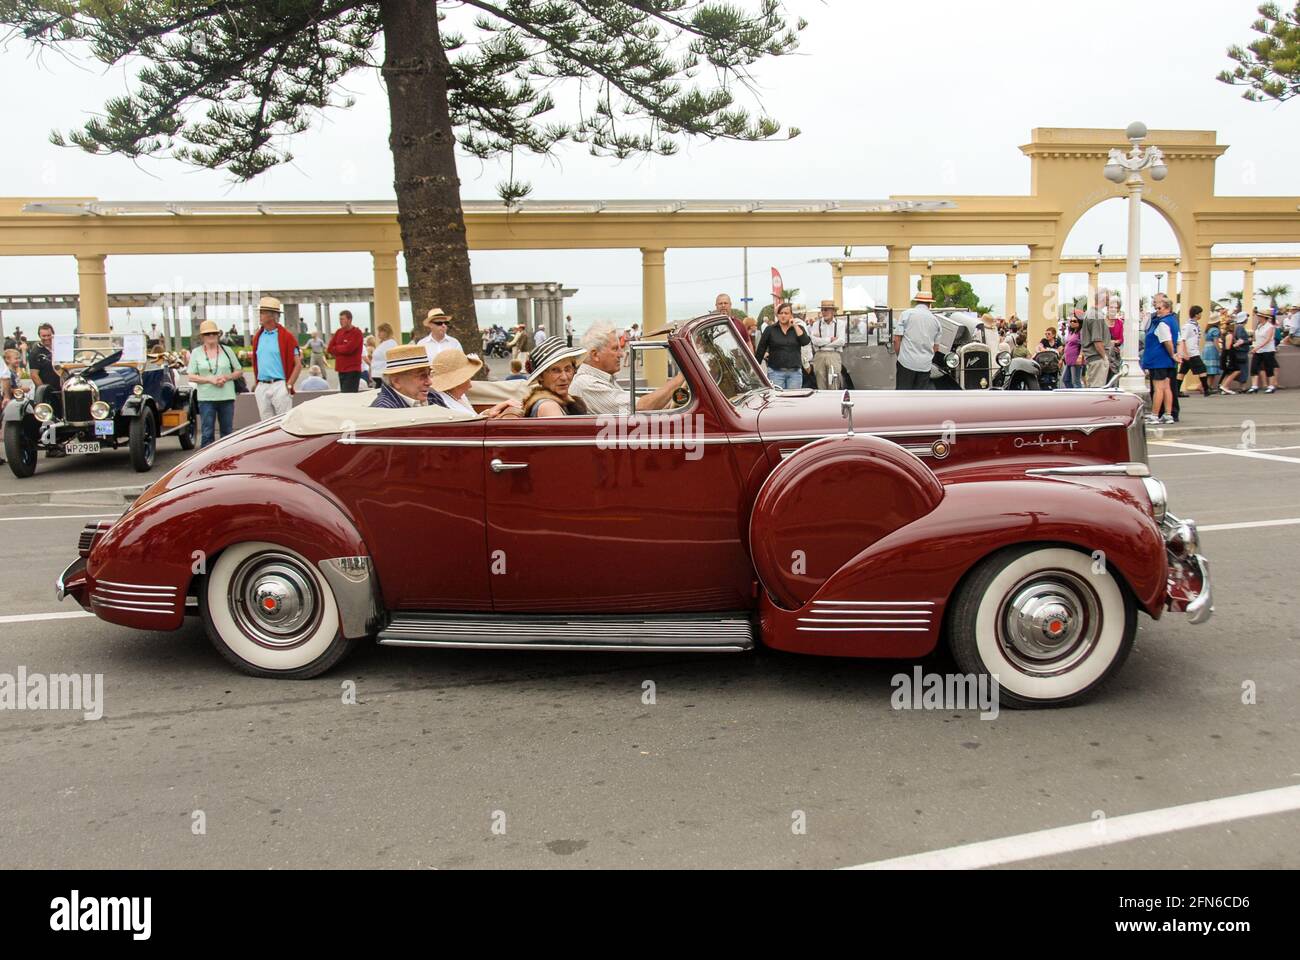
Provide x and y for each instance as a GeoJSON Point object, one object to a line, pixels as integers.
{"type": "Point", "coordinates": [705, 354]}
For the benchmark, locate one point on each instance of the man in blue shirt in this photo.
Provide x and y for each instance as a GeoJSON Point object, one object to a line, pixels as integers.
{"type": "Point", "coordinates": [1158, 351]}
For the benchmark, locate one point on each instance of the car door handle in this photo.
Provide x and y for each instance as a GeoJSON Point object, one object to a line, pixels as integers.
{"type": "Point", "coordinates": [499, 466]}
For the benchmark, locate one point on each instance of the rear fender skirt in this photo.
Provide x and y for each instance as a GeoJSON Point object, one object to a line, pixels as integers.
{"type": "Point", "coordinates": [911, 574]}
{"type": "Point", "coordinates": [176, 536]}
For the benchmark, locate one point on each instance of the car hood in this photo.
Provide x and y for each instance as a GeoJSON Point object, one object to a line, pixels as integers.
{"type": "Point", "coordinates": [927, 412]}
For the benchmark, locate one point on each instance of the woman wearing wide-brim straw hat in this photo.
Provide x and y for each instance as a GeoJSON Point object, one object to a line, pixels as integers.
{"type": "Point", "coordinates": [451, 373]}
{"type": "Point", "coordinates": [554, 364]}
{"type": "Point", "coordinates": [213, 368]}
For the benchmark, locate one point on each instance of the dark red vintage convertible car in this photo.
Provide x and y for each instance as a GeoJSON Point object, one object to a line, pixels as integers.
{"type": "Point", "coordinates": [1025, 531]}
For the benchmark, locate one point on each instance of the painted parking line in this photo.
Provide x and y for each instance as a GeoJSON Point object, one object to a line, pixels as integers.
{"type": "Point", "coordinates": [65, 516]}
{"type": "Point", "coordinates": [1228, 451]}
{"type": "Point", "coordinates": [36, 617]}
{"type": "Point", "coordinates": [1246, 525]}
{"type": "Point", "coordinates": [1096, 833]}
{"type": "Point", "coordinates": [1207, 453]}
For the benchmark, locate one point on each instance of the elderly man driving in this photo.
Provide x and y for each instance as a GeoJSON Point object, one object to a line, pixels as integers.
{"type": "Point", "coordinates": [594, 382]}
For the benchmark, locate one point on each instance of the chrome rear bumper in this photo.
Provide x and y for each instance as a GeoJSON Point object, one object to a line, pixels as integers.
{"type": "Point", "coordinates": [1188, 590]}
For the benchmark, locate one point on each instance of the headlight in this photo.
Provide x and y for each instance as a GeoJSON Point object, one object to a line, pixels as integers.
{"type": "Point", "coordinates": [19, 393]}
{"type": "Point", "coordinates": [1159, 497]}
{"type": "Point", "coordinates": [138, 390]}
{"type": "Point", "coordinates": [951, 361]}
{"type": "Point", "coordinates": [100, 410]}
{"type": "Point", "coordinates": [43, 412]}
{"type": "Point", "coordinates": [1004, 359]}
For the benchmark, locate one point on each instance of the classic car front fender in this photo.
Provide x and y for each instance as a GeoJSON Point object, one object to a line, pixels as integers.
{"type": "Point", "coordinates": [158, 548]}
{"type": "Point", "coordinates": [133, 406]}
{"type": "Point", "coordinates": [920, 565]}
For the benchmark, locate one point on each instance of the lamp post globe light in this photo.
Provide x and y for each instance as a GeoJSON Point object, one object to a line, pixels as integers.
{"type": "Point", "coordinates": [1127, 169]}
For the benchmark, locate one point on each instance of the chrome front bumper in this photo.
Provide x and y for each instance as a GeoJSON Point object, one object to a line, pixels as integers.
{"type": "Point", "coordinates": [70, 579]}
{"type": "Point", "coordinates": [1188, 589]}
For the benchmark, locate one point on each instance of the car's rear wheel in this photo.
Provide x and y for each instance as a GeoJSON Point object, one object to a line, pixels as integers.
{"type": "Point", "coordinates": [270, 613]}
{"type": "Point", "coordinates": [1051, 623]}
{"type": "Point", "coordinates": [20, 450]}
{"type": "Point", "coordinates": [143, 440]}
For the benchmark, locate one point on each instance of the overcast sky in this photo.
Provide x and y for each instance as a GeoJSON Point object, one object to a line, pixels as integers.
{"type": "Point", "coordinates": [915, 98]}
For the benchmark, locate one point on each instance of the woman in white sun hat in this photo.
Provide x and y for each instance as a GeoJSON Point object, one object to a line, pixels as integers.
{"type": "Point", "coordinates": [554, 364]}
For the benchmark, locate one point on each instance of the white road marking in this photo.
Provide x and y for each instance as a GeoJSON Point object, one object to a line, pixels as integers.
{"type": "Point", "coordinates": [66, 516]}
{"type": "Point", "coordinates": [1206, 453]}
{"type": "Point", "coordinates": [1291, 521]}
{"type": "Point", "coordinates": [34, 617]}
{"type": "Point", "coordinates": [1097, 833]}
{"type": "Point", "coordinates": [1252, 454]}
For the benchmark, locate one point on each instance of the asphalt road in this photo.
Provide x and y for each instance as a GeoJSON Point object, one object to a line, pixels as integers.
{"type": "Point", "coordinates": [561, 750]}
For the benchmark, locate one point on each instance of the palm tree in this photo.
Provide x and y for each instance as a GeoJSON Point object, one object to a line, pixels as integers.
{"type": "Point", "coordinates": [1234, 297]}
{"type": "Point", "coordinates": [1275, 291]}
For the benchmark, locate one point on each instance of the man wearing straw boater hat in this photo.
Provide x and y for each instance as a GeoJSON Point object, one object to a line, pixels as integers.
{"type": "Point", "coordinates": [406, 378]}
{"type": "Point", "coordinates": [916, 339]}
{"type": "Point", "coordinates": [277, 361]}
{"type": "Point", "coordinates": [412, 380]}
{"type": "Point", "coordinates": [828, 338]}
{"type": "Point", "coordinates": [438, 340]}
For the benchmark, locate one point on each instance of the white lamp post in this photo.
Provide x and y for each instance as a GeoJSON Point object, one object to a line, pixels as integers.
{"type": "Point", "coordinates": [1127, 169]}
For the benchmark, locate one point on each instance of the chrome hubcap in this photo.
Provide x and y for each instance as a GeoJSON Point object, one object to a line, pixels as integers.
{"type": "Point", "coordinates": [1049, 622]}
{"type": "Point", "coordinates": [275, 600]}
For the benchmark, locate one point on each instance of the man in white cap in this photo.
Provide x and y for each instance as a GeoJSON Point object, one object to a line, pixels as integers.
{"type": "Point", "coordinates": [916, 340]}
{"type": "Point", "coordinates": [438, 338]}
{"type": "Point", "coordinates": [277, 361]}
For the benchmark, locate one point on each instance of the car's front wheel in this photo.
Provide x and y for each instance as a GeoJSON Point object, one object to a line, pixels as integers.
{"type": "Point", "coordinates": [270, 613]}
{"type": "Point", "coordinates": [1051, 623]}
{"type": "Point", "coordinates": [189, 433]}
{"type": "Point", "coordinates": [20, 450]}
{"type": "Point", "coordinates": [143, 440]}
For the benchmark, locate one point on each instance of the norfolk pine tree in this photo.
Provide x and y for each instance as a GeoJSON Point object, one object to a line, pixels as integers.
{"type": "Point", "coordinates": [227, 85]}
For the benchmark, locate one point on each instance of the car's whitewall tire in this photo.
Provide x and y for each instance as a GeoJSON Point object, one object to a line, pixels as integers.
{"type": "Point", "coordinates": [270, 613]}
{"type": "Point", "coordinates": [1050, 622]}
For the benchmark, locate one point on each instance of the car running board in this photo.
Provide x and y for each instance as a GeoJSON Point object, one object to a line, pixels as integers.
{"type": "Point", "coordinates": [704, 633]}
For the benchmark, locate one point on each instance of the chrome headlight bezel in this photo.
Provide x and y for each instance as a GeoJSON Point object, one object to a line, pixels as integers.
{"type": "Point", "coordinates": [1159, 497]}
{"type": "Point", "coordinates": [1004, 360]}
{"type": "Point", "coordinates": [43, 412]}
{"type": "Point", "coordinates": [99, 410]}
{"type": "Point", "coordinates": [950, 361]}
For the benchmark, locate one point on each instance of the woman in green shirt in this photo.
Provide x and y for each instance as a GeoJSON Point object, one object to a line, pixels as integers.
{"type": "Point", "coordinates": [213, 367]}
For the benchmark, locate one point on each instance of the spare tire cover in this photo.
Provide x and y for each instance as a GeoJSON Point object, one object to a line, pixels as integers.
{"type": "Point", "coordinates": [826, 503]}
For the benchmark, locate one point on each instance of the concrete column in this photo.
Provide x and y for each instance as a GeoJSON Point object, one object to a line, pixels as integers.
{"type": "Point", "coordinates": [387, 302]}
{"type": "Point", "coordinates": [327, 312]}
{"type": "Point", "coordinates": [1010, 307]}
{"type": "Point", "coordinates": [654, 311]}
{"type": "Point", "coordinates": [1199, 281]}
{"type": "Point", "coordinates": [899, 276]}
{"type": "Point", "coordinates": [1248, 295]}
{"type": "Point", "coordinates": [371, 317]}
{"type": "Point", "coordinates": [523, 310]}
{"type": "Point", "coordinates": [198, 313]}
{"type": "Point", "coordinates": [92, 291]}
{"type": "Point", "coordinates": [1176, 291]}
{"type": "Point", "coordinates": [1042, 295]}
{"type": "Point", "coordinates": [1094, 280]}
{"type": "Point", "coordinates": [290, 318]}
{"type": "Point", "coordinates": [320, 324]}
{"type": "Point", "coordinates": [837, 285]}
{"type": "Point", "coordinates": [926, 278]}
{"type": "Point", "coordinates": [539, 317]}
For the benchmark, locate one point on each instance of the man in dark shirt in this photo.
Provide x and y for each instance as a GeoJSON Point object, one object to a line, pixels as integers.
{"type": "Point", "coordinates": [40, 359]}
{"type": "Point", "coordinates": [779, 345]}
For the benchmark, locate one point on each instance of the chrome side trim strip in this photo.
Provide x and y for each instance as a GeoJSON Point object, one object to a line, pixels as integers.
{"type": "Point", "coordinates": [1093, 470]}
{"type": "Point", "coordinates": [838, 620]}
{"type": "Point", "coordinates": [129, 594]}
{"type": "Point", "coordinates": [1087, 429]}
{"type": "Point", "coordinates": [137, 586]}
{"type": "Point", "coordinates": [131, 608]}
{"type": "Point", "coordinates": [558, 632]}
{"type": "Point", "coordinates": [662, 443]}
{"type": "Point", "coordinates": [863, 629]}
{"type": "Point", "coordinates": [405, 442]}
{"type": "Point", "coordinates": [98, 597]}
{"type": "Point", "coordinates": [875, 603]}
